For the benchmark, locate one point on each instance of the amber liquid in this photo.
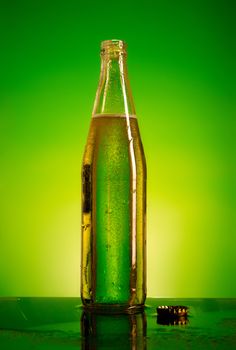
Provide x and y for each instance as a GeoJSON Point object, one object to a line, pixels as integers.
{"type": "Point", "coordinates": [114, 214]}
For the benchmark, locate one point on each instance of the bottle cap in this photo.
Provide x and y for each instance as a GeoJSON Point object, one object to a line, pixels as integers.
{"type": "Point", "coordinates": [172, 315]}
{"type": "Point", "coordinates": [176, 311]}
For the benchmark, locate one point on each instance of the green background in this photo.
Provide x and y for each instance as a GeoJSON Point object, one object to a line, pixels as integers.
{"type": "Point", "coordinates": [181, 61]}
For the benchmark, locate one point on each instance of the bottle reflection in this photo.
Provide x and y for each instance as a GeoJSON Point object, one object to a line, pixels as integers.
{"type": "Point", "coordinates": [103, 331]}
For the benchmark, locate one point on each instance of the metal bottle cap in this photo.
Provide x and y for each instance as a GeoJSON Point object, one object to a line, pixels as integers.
{"type": "Point", "coordinates": [172, 315]}
{"type": "Point", "coordinates": [176, 311]}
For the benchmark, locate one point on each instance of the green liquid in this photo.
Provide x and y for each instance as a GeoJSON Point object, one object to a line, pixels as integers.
{"type": "Point", "coordinates": [113, 219]}
{"type": "Point", "coordinates": [112, 210]}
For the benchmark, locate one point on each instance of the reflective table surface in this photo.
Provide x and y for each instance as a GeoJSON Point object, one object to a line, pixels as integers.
{"type": "Point", "coordinates": [61, 323]}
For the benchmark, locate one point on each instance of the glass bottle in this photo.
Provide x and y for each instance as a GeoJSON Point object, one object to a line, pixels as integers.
{"type": "Point", "coordinates": [113, 264]}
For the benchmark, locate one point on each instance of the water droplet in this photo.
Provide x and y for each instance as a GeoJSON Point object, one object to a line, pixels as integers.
{"type": "Point", "coordinates": [85, 226]}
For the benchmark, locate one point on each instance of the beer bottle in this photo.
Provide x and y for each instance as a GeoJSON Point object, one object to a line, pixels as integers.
{"type": "Point", "coordinates": [113, 263]}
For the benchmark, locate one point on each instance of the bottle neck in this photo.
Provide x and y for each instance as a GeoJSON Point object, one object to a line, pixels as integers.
{"type": "Point", "coordinates": [113, 93]}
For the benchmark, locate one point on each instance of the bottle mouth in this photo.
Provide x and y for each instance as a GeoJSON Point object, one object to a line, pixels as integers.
{"type": "Point", "coordinates": [113, 46]}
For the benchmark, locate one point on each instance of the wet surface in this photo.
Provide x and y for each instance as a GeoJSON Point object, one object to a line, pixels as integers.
{"type": "Point", "coordinates": [61, 323]}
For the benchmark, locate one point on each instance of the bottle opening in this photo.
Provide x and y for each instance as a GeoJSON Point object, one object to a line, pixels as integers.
{"type": "Point", "coordinates": [113, 46]}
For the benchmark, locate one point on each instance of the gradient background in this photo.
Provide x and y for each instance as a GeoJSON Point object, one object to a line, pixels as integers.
{"type": "Point", "coordinates": [181, 60]}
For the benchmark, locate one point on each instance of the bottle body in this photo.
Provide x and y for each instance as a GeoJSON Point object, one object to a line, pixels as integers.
{"type": "Point", "coordinates": [113, 269]}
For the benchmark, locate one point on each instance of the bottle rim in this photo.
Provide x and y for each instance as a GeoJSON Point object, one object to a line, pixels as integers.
{"type": "Point", "coordinates": [113, 45]}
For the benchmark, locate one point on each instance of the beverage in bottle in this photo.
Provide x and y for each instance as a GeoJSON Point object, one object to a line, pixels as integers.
{"type": "Point", "coordinates": [113, 264]}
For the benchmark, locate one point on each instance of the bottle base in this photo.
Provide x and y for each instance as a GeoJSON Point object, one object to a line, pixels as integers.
{"type": "Point", "coordinates": [114, 308]}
